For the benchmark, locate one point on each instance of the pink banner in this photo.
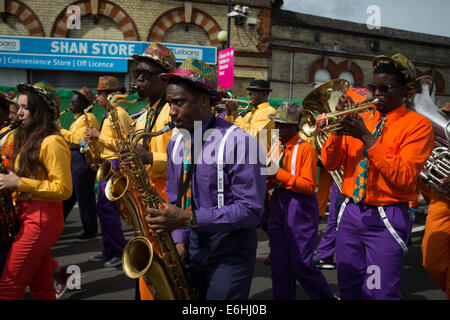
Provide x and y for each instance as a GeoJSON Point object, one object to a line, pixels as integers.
{"type": "Point", "coordinates": [226, 68]}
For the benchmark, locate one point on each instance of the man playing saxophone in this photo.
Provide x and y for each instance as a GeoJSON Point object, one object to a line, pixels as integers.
{"type": "Point", "coordinates": [156, 59]}
{"type": "Point", "coordinates": [215, 208]}
{"type": "Point", "coordinates": [109, 216]}
{"type": "Point", "coordinates": [83, 177]}
{"type": "Point", "coordinates": [382, 158]}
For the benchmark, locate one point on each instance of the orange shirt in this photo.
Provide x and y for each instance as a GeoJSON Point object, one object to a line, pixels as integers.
{"type": "Point", "coordinates": [305, 174]}
{"type": "Point", "coordinates": [395, 161]}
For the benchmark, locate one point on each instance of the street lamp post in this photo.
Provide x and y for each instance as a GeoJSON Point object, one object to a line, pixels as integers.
{"type": "Point", "coordinates": [223, 36]}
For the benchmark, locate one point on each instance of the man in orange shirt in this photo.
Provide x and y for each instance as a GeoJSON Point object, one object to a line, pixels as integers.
{"type": "Point", "coordinates": [293, 211]}
{"type": "Point", "coordinates": [382, 158]}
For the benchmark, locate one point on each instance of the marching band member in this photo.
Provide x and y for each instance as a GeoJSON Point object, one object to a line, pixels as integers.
{"type": "Point", "coordinates": [326, 248]}
{"type": "Point", "coordinates": [258, 125]}
{"type": "Point", "coordinates": [256, 120]}
{"type": "Point", "coordinates": [382, 158]}
{"type": "Point", "coordinates": [215, 218]}
{"type": "Point", "coordinates": [107, 211]}
{"type": "Point", "coordinates": [8, 102]}
{"type": "Point", "coordinates": [41, 180]}
{"type": "Point", "coordinates": [83, 177]}
{"type": "Point", "coordinates": [436, 240]}
{"type": "Point", "coordinates": [293, 219]}
{"type": "Point", "coordinates": [155, 60]}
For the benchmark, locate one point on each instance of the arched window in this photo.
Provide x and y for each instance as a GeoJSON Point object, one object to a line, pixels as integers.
{"type": "Point", "coordinates": [347, 75]}
{"type": "Point", "coordinates": [321, 76]}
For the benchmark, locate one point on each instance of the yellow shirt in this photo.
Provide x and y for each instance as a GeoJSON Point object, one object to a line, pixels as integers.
{"type": "Point", "coordinates": [55, 156]}
{"type": "Point", "coordinates": [78, 128]}
{"type": "Point", "coordinates": [255, 121]}
{"type": "Point", "coordinates": [106, 144]}
{"type": "Point", "coordinates": [159, 143]}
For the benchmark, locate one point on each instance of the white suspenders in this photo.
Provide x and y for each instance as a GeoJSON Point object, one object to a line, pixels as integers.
{"type": "Point", "coordinates": [294, 156]}
{"type": "Point", "coordinates": [220, 161]}
{"type": "Point", "coordinates": [383, 218]}
{"type": "Point", "coordinates": [220, 188]}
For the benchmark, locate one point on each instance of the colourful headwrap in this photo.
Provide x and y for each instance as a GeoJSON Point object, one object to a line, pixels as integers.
{"type": "Point", "coordinates": [159, 54]}
{"type": "Point", "coordinates": [288, 112]}
{"type": "Point", "coordinates": [45, 91]}
{"type": "Point", "coordinates": [402, 64]}
{"type": "Point", "coordinates": [446, 107]}
{"type": "Point", "coordinates": [10, 96]}
{"type": "Point", "coordinates": [197, 72]}
{"type": "Point", "coordinates": [87, 93]}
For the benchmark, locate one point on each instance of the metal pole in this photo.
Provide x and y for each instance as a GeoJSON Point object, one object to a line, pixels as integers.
{"type": "Point", "coordinates": [229, 24]}
{"type": "Point", "coordinates": [291, 75]}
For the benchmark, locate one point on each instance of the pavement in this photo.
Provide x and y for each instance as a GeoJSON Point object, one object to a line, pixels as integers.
{"type": "Point", "coordinates": [97, 282]}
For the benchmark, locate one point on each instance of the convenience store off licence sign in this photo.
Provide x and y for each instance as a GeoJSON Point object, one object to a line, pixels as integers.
{"type": "Point", "coordinates": [85, 55]}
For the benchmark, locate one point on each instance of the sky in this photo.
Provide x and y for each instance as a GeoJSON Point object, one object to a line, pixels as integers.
{"type": "Point", "coordinates": [429, 16]}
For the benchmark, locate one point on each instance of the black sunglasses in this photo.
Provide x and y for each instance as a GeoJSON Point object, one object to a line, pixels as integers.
{"type": "Point", "coordinates": [146, 74]}
{"type": "Point", "coordinates": [382, 87]}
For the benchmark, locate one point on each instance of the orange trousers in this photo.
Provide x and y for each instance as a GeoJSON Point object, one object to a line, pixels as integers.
{"type": "Point", "coordinates": [436, 241]}
{"type": "Point", "coordinates": [30, 261]}
{"type": "Point", "coordinates": [325, 182]}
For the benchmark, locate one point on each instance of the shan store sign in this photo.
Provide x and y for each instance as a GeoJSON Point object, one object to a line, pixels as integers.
{"type": "Point", "coordinates": [84, 55]}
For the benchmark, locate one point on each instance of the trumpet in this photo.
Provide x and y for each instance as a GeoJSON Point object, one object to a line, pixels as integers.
{"type": "Point", "coordinates": [224, 105]}
{"type": "Point", "coordinates": [329, 122]}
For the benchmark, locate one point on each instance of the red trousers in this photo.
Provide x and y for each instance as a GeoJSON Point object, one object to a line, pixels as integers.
{"type": "Point", "coordinates": [29, 261]}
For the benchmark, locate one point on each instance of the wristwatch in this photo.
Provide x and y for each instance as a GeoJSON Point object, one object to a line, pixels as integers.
{"type": "Point", "coordinates": [193, 220]}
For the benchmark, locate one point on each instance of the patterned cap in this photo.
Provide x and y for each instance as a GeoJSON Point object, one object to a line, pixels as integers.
{"type": "Point", "coordinates": [403, 64]}
{"type": "Point", "coordinates": [159, 54]}
{"type": "Point", "coordinates": [288, 112]}
{"type": "Point", "coordinates": [197, 72]}
{"type": "Point", "coordinates": [108, 83]}
{"type": "Point", "coordinates": [10, 96]}
{"type": "Point", "coordinates": [46, 91]}
{"type": "Point", "coordinates": [87, 93]}
{"type": "Point", "coordinates": [446, 107]}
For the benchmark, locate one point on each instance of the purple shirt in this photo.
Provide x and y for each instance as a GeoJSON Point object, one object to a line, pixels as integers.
{"type": "Point", "coordinates": [244, 185]}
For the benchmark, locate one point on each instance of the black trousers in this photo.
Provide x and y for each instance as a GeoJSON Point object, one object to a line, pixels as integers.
{"type": "Point", "coordinates": [83, 180]}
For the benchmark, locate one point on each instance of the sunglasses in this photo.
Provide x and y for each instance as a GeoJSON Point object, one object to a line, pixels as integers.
{"type": "Point", "coordinates": [146, 74]}
{"type": "Point", "coordinates": [382, 87]}
{"type": "Point", "coordinates": [74, 101]}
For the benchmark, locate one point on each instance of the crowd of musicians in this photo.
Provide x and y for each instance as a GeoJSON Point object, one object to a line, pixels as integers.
{"type": "Point", "coordinates": [212, 210]}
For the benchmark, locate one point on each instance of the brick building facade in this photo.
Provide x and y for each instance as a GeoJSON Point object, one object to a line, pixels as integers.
{"type": "Point", "coordinates": [292, 50]}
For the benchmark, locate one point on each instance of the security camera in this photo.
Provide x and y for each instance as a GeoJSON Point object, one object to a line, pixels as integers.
{"type": "Point", "coordinates": [235, 14]}
{"type": "Point", "coordinates": [238, 8]}
{"type": "Point", "coordinates": [246, 10]}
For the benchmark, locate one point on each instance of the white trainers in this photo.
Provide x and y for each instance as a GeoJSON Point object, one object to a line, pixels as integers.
{"type": "Point", "coordinates": [98, 257]}
{"type": "Point", "coordinates": [114, 262]}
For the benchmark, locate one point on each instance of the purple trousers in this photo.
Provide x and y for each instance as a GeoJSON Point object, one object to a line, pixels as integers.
{"type": "Point", "coordinates": [109, 216]}
{"type": "Point", "coordinates": [369, 260]}
{"type": "Point", "coordinates": [326, 248]}
{"type": "Point", "coordinates": [292, 228]}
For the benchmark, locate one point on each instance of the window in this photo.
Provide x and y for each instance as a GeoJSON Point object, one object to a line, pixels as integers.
{"type": "Point", "coordinates": [321, 76]}
{"type": "Point", "coordinates": [348, 76]}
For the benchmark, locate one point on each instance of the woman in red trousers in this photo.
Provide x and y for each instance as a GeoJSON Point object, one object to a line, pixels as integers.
{"type": "Point", "coordinates": [40, 180]}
